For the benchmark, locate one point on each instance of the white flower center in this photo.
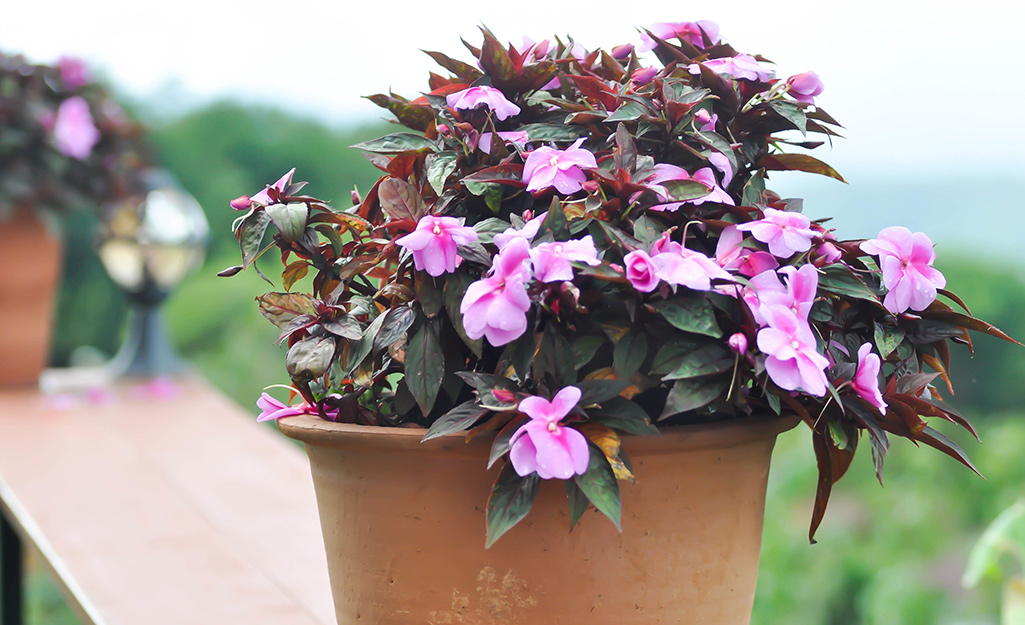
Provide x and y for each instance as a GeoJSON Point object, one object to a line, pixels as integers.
{"type": "Point", "coordinates": [553, 427]}
{"type": "Point", "coordinates": [558, 249]}
{"type": "Point", "coordinates": [554, 161]}
{"type": "Point", "coordinates": [437, 229]}
{"type": "Point", "coordinates": [795, 344]}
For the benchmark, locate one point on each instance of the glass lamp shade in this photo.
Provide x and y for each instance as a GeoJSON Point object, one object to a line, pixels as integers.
{"type": "Point", "coordinates": [147, 245]}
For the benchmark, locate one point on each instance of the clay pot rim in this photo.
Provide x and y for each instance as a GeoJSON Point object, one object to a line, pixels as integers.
{"type": "Point", "coordinates": [317, 432]}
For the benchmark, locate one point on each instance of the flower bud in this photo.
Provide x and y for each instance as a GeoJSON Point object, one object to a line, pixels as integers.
{"type": "Point", "coordinates": [804, 87]}
{"type": "Point", "coordinates": [591, 186]}
{"type": "Point", "coordinates": [621, 52]}
{"type": "Point", "coordinates": [355, 198]}
{"type": "Point", "coordinates": [738, 343]}
{"type": "Point", "coordinates": [504, 395]}
{"type": "Point", "coordinates": [444, 130]}
{"type": "Point", "coordinates": [643, 75]}
{"type": "Point", "coordinates": [826, 254]}
{"type": "Point", "coordinates": [241, 203]}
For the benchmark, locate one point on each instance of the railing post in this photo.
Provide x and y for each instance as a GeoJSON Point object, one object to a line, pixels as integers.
{"type": "Point", "coordinates": [11, 590]}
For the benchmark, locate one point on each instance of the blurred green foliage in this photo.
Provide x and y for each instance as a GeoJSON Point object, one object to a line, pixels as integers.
{"type": "Point", "coordinates": [886, 556]}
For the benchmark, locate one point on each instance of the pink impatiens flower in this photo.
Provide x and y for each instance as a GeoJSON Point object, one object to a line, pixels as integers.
{"type": "Point", "coordinates": [545, 446]}
{"type": "Point", "coordinates": [262, 197]}
{"type": "Point", "coordinates": [551, 260]}
{"type": "Point", "coordinates": [73, 129]}
{"type": "Point", "coordinates": [683, 267]}
{"type": "Point", "coordinates": [866, 380]}
{"type": "Point", "coordinates": [785, 232]}
{"type": "Point", "coordinates": [434, 243]}
{"type": "Point", "coordinates": [641, 271]}
{"type": "Point", "coordinates": [906, 261]}
{"type": "Point", "coordinates": [687, 31]}
{"type": "Point", "coordinates": [483, 96]}
{"type": "Point", "coordinates": [804, 87]}
{"type": "Point", "coordinates": [547, 167]}
{"type": "Point", "coordinates": [271, 409]}
{"type": "Point", "coordinates": [665, 172]}
{"type": "Point", "coordinates": [517, 137]}
{"type": "Point", "coordinates": [496, 306]}
{"type": "Point", "coordinates": [74, 72]}
{"type": "Point", "coordinates": [792, 362]}
{"type": "Point", "coordinates": [731, 254]}
{"type": "Point", "coordinates": [740, 66]}
{"type": "Point", "coordinates": [528, 231]}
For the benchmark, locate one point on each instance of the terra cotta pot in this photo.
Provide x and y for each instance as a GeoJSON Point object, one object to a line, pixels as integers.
{"type": "Point", "coordinates": [30, 258]}
{"type": "Point", "coordinates": [404, 527]}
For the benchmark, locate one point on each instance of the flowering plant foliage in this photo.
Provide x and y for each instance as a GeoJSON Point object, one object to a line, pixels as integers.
{"type": "Point", "coordinates": [64, 141]}
{"type": "Point", "coordinates": [575, 245]}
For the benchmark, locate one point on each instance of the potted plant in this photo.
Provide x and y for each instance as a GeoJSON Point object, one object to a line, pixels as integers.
{"type": "Point", "coordinates": [570, 276]}
{"type": "Point", "coordinates": [64, 143]}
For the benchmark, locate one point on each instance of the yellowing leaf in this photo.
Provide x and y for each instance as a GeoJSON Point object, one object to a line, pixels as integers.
{"type": "Point", "coordinates": [608, 441]}
{"type": "Point", "coordinates": [609, 373]}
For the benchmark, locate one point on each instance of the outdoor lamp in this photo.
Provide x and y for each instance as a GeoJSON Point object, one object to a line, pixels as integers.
{"type": "Point", "coordinates": [148, 244]}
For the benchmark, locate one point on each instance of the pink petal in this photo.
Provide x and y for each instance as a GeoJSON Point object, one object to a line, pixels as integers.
{"type": "Point", "coordinates": [564, 401]}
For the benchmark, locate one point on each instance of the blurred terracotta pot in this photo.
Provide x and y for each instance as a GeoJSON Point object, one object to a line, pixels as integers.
{"type": "Point", "coordinates": [404, 530]}
{"type": "Point", "coordinates": [30, 262]}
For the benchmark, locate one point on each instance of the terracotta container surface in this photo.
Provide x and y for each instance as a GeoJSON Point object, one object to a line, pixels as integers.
{"type": "Point", "coordinates": [30, 259]}
{"type": "Point", "coordinates": [404, 529]}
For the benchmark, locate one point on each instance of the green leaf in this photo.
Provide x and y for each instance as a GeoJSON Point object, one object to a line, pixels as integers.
{"type": "Point", "coordinates": [577, 501]}
{"type": "Point", "coordinates": [598, 391]}
{"type": "Point", "coordinates": [511, 499]}
{"type": "Point", "coordinates": [692, 394]}
{"type": "Point", "coordinates": [520, 353]}
{"type": "Point", "coordinates": [281, 308]}
{"type": "Point", "coordinates": [555, 356]}
{"type": "Point", "coordinates": [629, 354]}
{"type": "Point", "coordinates": [393, 325]}
{"type": "Point", "coordinates": [250, 235]}
{"type": "Point", "coordinates": [600, 486]}
{"type": "Point", "coordinates": [584, 349]}
{"type": "Point", "coordinates": [345, 327]}
{"type": "Point", "coordinates": [459, 419]}
{"type": "Point", "coordinates": [464, 71]}
{"type": "Point", "coordinates": [495, 59]}
{"type": "Point", "coordinates": [410, 116]}
{"type": "Point", "coordinates": [719, 144]}
{"type": "Point", "coordinates": [425, 365]}
{"type": "Point", "coordinates": [396, 143]}
{"type": "Point", "coordinates": [624, 415]}
{"type": "Point", "coordinates": [289, 219]}
{"type": "Point", "coordinates": [683, 190]}
{"type": "Point", "coordinates": [705, 360]}
{"type": "Point", "coordinates": [628, 111]}
{"type": "Point", "coordinates": [455, 288]}
{"type": "Point", "coordinates": [553, 132]}
{"type": "Point", "coordinates": [754, 189]}
{"type": "Point", "coordinates": [555, 220]}
{"type": "Point", "coordinates": [887, 338]}
{"type": "Point", "coordinates": [691, 314]}
{"type": "Point", "coordinates": [647, 230]}
{"type": "Point", "coordinates": [1005, 536]}
{"type": "Point", "coordinates": [798, 162]}
{"type": "Point", "coordinates": [428, 293]}
{"type": "Point", "coordinates": [792, 113]}
{"type": "Point", "coordinates": [501, 445]}
{"type": "Point", "coordinates": [840, 280]}
{"type": "Point", "coordinates": [485, 385]}
{"type": "Point", "coordinates": [310, 358]}
{"type": "Point", "coordinates": [439, 167]}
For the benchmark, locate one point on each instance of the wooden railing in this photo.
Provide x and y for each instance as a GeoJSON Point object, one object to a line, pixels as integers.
{"type": "Point", "coordinates": [150, 508]}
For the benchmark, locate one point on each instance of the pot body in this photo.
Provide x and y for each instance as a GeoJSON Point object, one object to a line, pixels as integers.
{"type": "Point", "coordinates": [404, 529]}
{"type": "Point", "coordinates": [30, 263]}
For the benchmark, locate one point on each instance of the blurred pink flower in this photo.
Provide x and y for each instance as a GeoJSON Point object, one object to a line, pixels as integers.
{"type": "Point", "coordinates": [866, 380]}
{"type": "Point", "coordinates": [543, 445]}
{"type": "Point", "coordinates": [740, 66]}
{"type": "Point", "coordinates": [906, 261]}
{"type": "Point", "coordinates": [786, 233]}
{"type": "Point", "coordinates": [622, 51]}
{"type": "Point", "coordinates": [547, 167]}
{"type": "Point", "coordinates": [73, 129]}
{"type": "Point", "coordinates": [490, 97]}
{"type": "Point", "coordinates": [496, 306]}
{"type": "Point", "coordinates": [789, 344]}
{"type": "Point", "coordinates": [687, 31]}
{"type": "Point", "coordinates": [434, 243]}
{"type": "Point", "coordinates": [804, 87]}
{"type": "Point", "coordinates": [74, 72]}
{"type": "Point", "coordinates": [826, 253]}
{"type": "Point", "coordinates": [262, 197]}
{"type": "Point", "coordinates": [271, 409]}
{"type": "Point", "coordinates": [732, 255]}
{"type": "Point", "coordinates": [641, 271]}
{"type": "Point", "coordinates": [551, 260]}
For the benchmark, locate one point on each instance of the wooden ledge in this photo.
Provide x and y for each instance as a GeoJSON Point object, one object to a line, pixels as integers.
{"type": "Point", "coordinates": [155, 507]}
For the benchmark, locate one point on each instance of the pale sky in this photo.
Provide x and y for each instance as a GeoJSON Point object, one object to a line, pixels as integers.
{"type": "Point", "coordinates": [920, 86]}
